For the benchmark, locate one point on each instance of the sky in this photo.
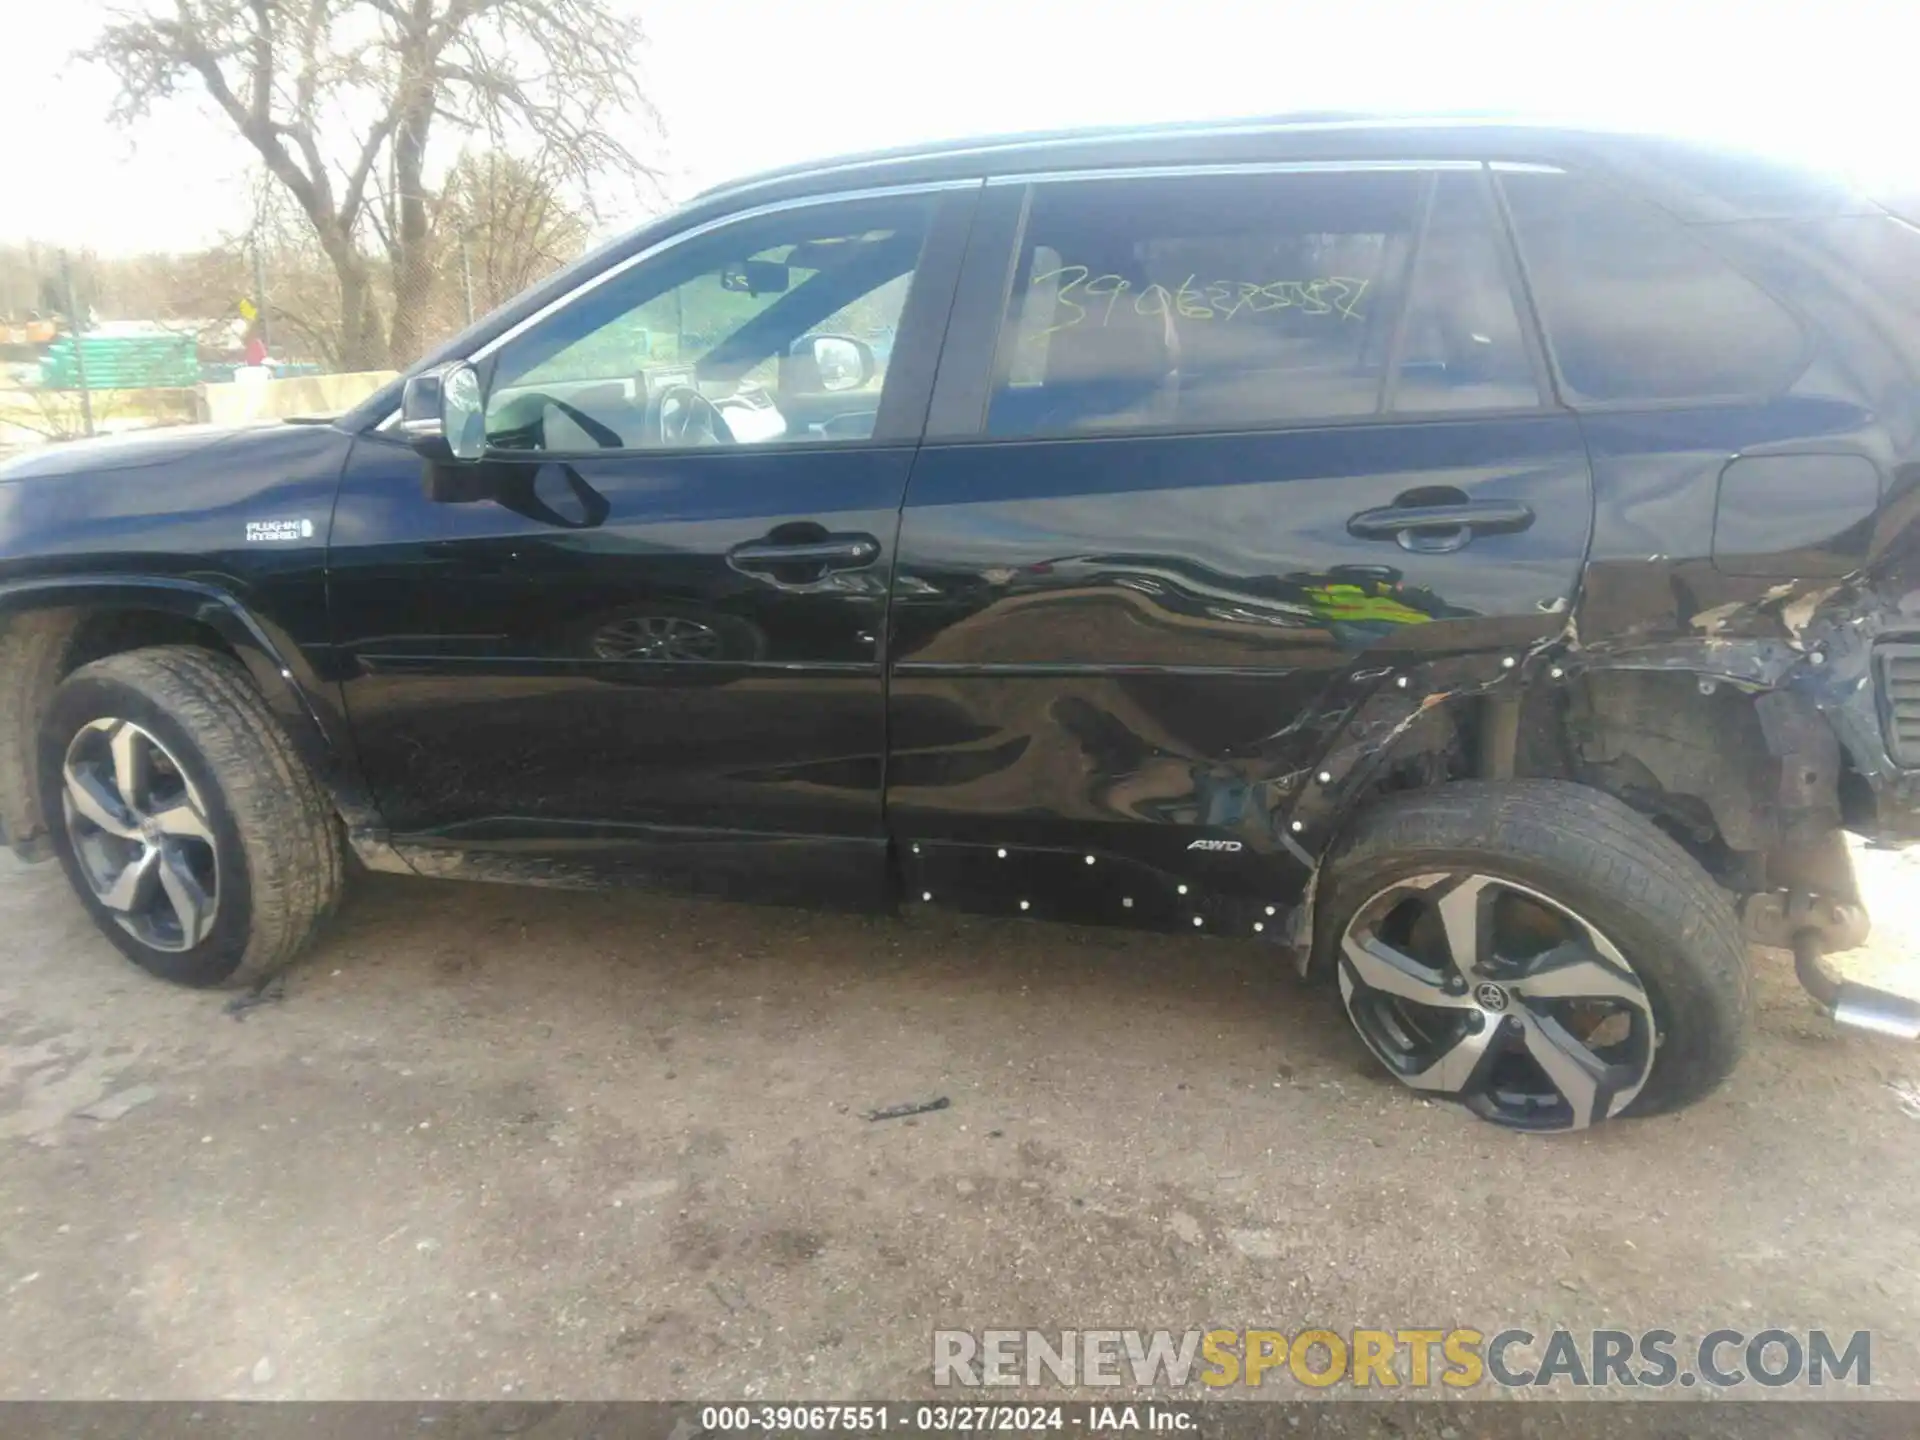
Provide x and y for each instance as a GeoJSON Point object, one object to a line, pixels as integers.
{"type": "Point", "coordinates": [747, 84]}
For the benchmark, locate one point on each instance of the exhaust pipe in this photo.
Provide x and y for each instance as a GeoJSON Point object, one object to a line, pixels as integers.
{"type": "Point", "coordinates": [1859, 1006]}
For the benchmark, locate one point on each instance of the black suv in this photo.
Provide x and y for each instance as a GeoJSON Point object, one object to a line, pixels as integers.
{"type": "Point", "coordinates": [1471, 557]}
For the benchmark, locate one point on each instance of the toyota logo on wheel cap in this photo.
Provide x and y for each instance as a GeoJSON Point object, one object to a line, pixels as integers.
{"type": "Point", "coordinates": [1489, 996]}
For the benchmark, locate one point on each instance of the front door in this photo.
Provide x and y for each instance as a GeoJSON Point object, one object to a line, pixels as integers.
{"type": "Point", "coordinates": [645, 634]}
{"type": "Point", "coordinates": [1158, 538]}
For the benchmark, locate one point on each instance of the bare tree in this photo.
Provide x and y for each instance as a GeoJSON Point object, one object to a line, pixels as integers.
{"type": "Point", "coordinates": [28, 283]}
{"type": "Point", "coordinates": [303, 300]}
{"type": "Point", "coordinates": [342, 97]}
{"type": "Point", "coordinates": [514, 224]}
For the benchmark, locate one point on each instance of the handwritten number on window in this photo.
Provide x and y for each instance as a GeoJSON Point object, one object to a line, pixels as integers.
{"type": "Point", "coordinates": [1084, 296]}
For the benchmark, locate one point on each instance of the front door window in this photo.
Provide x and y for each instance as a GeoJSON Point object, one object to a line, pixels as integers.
{"type": "Point", "coordinates": [776, 329]}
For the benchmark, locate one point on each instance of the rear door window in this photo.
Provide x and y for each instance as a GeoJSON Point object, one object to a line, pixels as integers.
{"type": "Point", "coordinates": [1209, 301]}
{"type": "Point", "coordinates": [1639, 308]}
{"type": "Point", "coordinates": [1224, 302]}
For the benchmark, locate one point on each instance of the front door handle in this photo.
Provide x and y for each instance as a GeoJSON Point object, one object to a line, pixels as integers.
{"type": "Point", "coordinates": [1440, 529]}
{"type": "Point", "coordinates": [833, 552]}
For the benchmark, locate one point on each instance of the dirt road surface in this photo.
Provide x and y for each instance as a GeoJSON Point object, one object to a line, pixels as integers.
{"type": "Point", "coordinates": [507, 1143]}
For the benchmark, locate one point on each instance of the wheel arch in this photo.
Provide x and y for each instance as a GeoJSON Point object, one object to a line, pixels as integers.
{"type": "Point", "coordinates": [1726, 754]}
{"type": "Point", "coordinates": [50, 627]}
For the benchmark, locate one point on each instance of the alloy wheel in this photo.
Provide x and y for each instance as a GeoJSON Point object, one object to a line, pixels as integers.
{"type": "Point", "coordinates": [1481, 990]}
{"type": "Point", "coordinates": [140, 831]}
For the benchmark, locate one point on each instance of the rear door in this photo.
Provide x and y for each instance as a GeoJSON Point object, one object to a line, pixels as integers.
{"type": "Point", "coordinates": [1164, 527]}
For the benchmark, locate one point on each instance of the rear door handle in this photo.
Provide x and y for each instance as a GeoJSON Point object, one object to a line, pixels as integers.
{"type": "Point", "coordinates": [1440, 529]}
{"type": "Point", "coordinates": [835, 552]}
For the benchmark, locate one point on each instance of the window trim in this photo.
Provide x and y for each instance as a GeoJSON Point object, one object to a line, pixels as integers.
{"type": "Point", "coordinates": [1404, 418]}
{"type": "Point", "coordinates": [1389, 388]}
{"type": "Point", "coordinates": [1493, 200]}
{"type": "Point", "coordinates": [1228, 167]}
{"type": "Point", "coordinates": [963, 386]}
{"type": "Point", "coordinates": [970, 394]}
{"type": "Point", "coordinates": [990, 150]}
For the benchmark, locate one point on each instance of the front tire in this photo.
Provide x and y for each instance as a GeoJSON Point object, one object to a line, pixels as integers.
{"type": "Point", "coordinates": [1535, 951]}
{"type": "Point", "coordinates": [185, 821]}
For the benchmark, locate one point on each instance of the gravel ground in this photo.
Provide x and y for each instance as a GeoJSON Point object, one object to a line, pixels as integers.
{"type": "Point", "coordinates": [498, 1142]}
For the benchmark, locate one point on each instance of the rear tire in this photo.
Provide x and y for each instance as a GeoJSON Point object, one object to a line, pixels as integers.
{"type": "Point", "coordinates": [1601, 954]}
{"type": "Point", "coordinates": [189, 827]}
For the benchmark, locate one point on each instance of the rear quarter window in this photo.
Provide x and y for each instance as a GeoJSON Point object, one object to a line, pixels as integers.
{"type": "Point", "coordinates": [1638, 307]}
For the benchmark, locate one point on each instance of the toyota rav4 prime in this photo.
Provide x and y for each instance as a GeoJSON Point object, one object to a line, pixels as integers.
{"type": "Point", "coordinates": [1478, 560]}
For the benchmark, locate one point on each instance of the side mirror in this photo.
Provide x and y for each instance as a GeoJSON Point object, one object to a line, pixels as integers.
{"type": "Point", "coordinates": [827, 364]}
{"type": "Point", "coordinates": [443, 413]}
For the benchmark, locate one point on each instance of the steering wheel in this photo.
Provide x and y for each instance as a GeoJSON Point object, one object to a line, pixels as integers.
{"type": "Point", "coordinates": [679, 415]}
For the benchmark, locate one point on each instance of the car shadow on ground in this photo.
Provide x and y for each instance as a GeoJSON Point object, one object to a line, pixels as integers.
{"type": "Point", "coordinates": [933, 969]}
